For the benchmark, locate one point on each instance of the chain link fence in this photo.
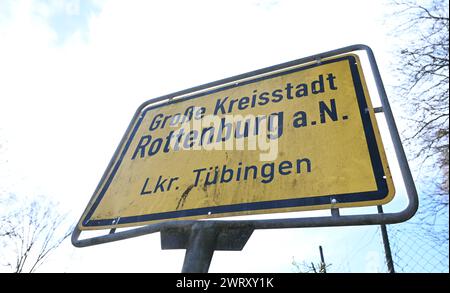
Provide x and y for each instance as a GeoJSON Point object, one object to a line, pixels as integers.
{"type": "Point", "coordinates": [416, 249]}
{"type": "Point", "coordinates": [420, 245]}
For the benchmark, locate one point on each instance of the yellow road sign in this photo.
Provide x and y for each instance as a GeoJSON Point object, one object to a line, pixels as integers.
{"type": "Point", "coordinates": [291, 140]}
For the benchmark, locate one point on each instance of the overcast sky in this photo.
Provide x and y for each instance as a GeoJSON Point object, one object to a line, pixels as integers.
{"type": "Point", "coordinates": [72, 73]}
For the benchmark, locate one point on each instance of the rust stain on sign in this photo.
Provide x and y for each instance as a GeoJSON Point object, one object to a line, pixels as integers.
{"type": "Point", "coordinates": [184, 196]}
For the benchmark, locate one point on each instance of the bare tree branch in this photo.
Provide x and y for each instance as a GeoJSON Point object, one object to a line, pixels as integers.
{"type": "Point", "coordinates": [424, 90]}
{"type": "Point", "coordinates": [31, 232]}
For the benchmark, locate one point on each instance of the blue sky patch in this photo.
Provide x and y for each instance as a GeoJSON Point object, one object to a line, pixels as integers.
{"type": "Point", "coordinates": [67, 17]}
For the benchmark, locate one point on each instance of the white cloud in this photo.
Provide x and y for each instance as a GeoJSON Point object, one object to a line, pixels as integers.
{"type": "Point", "coordinates": [63, 109]}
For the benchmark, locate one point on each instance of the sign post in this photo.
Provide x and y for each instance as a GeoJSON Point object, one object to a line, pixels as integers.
{"type": "Point", "coordinates": [297, 136]}
{"type": "Point", "coordinates": [202, 239]}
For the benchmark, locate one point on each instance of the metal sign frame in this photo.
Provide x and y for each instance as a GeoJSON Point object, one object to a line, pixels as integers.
{"type": "Point", "coordinates": [188, 233]}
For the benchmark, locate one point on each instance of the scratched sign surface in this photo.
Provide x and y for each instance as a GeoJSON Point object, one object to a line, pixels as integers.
{"type": "Point", "coordinates": [289, 140]}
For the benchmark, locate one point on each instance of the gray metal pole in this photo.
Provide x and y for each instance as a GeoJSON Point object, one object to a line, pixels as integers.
{"type": "Point", "coordinates": [200, 250]}
{"type": "Point", "coordinates": [387, 246]}
{"type": "Point", "coordinates": [322, 259]}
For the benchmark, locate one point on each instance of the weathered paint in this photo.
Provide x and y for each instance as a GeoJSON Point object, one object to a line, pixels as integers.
{"type": "Point", "coordinates": [347, 160]}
